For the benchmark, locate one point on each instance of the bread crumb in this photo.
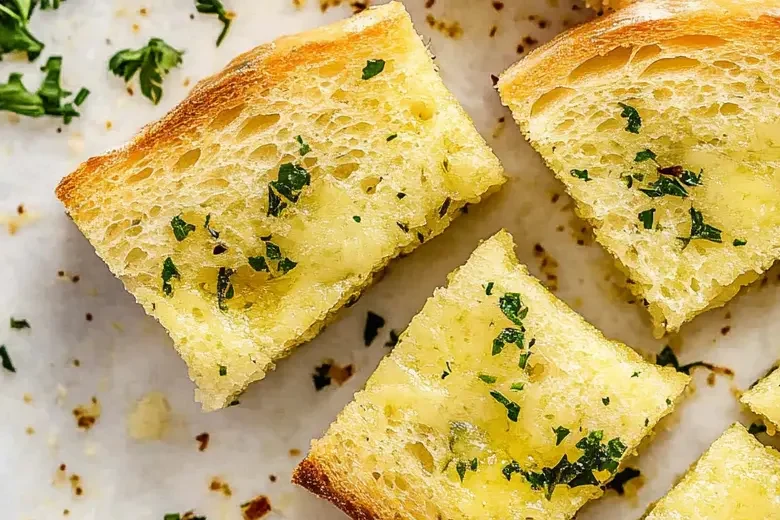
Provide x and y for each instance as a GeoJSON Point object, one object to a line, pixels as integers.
{"type": "Point", "coordinates": [256, 508]}
{"type": "Point", "coordinates": [549, 267]}
{"type": "Point", "coordinates": [14, 222]}
{"type": "Point", "coordinates": [220, 486]}
{"type": "Point", "coordinates": [448, 28]}
{"type": "Point", "coordinates": [27, 398]}
{"type": "Point", "coordinates": [87, 415]}
{"type": "Point", "coordinates": [150, 418]}
{"type": "Point", "coordinates": [29, 430]}
{"type": "Point", "coordinates": [109, 125]}
{"type": "Point", "coordinates": [295, 452]}
{"type": "Point", "coordinates": [499, 128]}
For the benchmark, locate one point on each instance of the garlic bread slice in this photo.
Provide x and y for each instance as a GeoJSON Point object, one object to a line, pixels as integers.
{"type": "Point", "coordinates": [763, 398]}
{"type": "Point", "coordinates": [662, 121]}
{"type": "Point", "coordinates": [499, 402]}
{"type": "Point", "coordinates": [274, 193]}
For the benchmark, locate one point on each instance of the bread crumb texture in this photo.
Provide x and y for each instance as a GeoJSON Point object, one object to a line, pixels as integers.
{"type": "Point", "coordinates": [355, 114]}
{"type": "Point", "coordinates": [764, 399]}
{"type": "Point", "coordinates": [738, 478]}
{"type": "Point", "coordinates": [449, 426]}
{"type": "Point", "coordinates": [697, 84]}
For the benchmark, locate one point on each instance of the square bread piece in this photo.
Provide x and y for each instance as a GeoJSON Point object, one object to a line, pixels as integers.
{"type": "Point", "coordinates": [494, 382]}
{"type": "Point", "coordinates": [661, 120]}
{"type": "Point", "coordinates": [274, 193]}
{"type": "Point", "coordinates": [737, 478]}
{"type": "Point", "coordinates": [763, 398]}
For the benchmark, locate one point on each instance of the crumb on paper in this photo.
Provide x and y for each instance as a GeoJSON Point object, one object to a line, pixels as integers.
{"type": "Point", "coordinates": [61, 477]}
{"type": "Point", "coordinates": [295, 452]}
{"type": "Point", "coordinates": [499, 128]}
{"type": "Point", "coordinates": [256, 508]}
{"type": "Point", "coordinates": [356, 5]}
{"type": "Point", "coordinates": [14, 222]}
{"type": "Point", "coordinates": [149, 418]}
{"type": "Point", "coordinates": [493, 31]}
{"type": "Point", "coordinates": [451, 29]}
{"type": "Point", "coordinates": [203, 441]}
{"type": "Point", "coordinates": [220, 486]}
{"type": "Point", "coordinates": [272, 478]}
{"type": "Point", "coordinates": [329, 371]}
{"type": "Point", "coordinates": [87, 415]}
{"type": "Point", "coordinates": [27, 398]}
{"type": "Point", "coordinates": [29, 430]}
{"type": "Point", "coordinates": [109, 125]}
{"type": "Point", "coordinates": [548, 266]}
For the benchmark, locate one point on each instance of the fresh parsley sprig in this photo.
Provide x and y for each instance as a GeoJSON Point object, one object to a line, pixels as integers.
{"type": "Point", "coordinates": [153, 61]}
{"type": "Point", "coordinates": [14, 34]}
{"type": "Point", "coordinates": [216, 7]}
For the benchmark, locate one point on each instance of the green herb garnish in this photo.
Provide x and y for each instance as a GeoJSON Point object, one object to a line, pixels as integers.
{"type": "Point", "coordinates": [14, 34]}
{"type": "Point", "coordinates": [374, 322]}
{"type": "Point", "coordinates": [372, 68]}
{"type": "Point", "coordinates": [523, 360]}
{"type": "Point", "coordinates": [605, 400]}
{"type": "Point", "coordinates": [169, 272]}
{"type": "Point", "coordinates": [668, 358]}
{"type": "Point", "coordinates": [50, 4]}
{"type": "Point", "coordinates": [181, 228]}
{"type": "Point", "coordinates": [225, 289]}
{"type": "Point", "coordinates": [489, 288]}
{"type": "Point", "coordinates": [517, 386]}
{"type": "Point", "coordinates": [391, 137]}
{"type": "Point", "coordinates": [19, 324]}
{"type": "Point", "coordinates": [560, 434]}
{"type": "Point", "coordinates": [292, 179]}
{"type": "Point", "coordinates": [275, 204]}
{"type": "Point", "coordinates": [512, 408]}
{"type": "Point", "coordinates": [635, 374]}
{"type": "Point", "coordinates": [511, 468]}
{"type": "Point", "coordinates": [756, 428]}
{"type": "Point", "coordinates": [5, 359]}
{"type": "Point", "coordinates": [700, 230]}
{"type": "Point", "coordinates": [508, 335]}
{"type": "Point", "coordinates": [286, 265]}
{"type": "Point", "coordinates": [646, 218]}
{"type": "Point", "coordinates": [222, 370]}
{"type": "Point", "coordinates": [216, 7]}
{"type": "Point", "coordinates": [665, 186]}
{"type": "Point", "coordinates": [446, 371]}
{"type": "Point", "coordinates": [513, 308]}
{"type": "Point", "coordinates": [691, 179]}
{"type": "Point", "coordinates": [304, 147]}
{"type": "Point", "coordinates": [645, 155]}
{"type": "Point", "coordinates": [487, 379]}
{"type": "Point", "coordinates": [580, 174]}
{"type": "Point", "coordinates": [172, 516]}
{"type": "Point", "coordinates": [621, 479]}
{"type": "Point", "coordinates": [444, 207]}
{"type": "Point", "coordinates": [461, 466]}
{"type": "Point", "coordinates": [356, 218]}
{"type": "Point", "coordinates": [634, 122]}
{"type": "Point", "coordinates": [214, 234]}
{"type": "Point", "coordinates": [738, 242]}
{"type": "Point", "coordinates": [272, 251]}
{"type": "Point", "coordinates": [258, 263]}
{"type": "Point", "coordinates": [153, 61]}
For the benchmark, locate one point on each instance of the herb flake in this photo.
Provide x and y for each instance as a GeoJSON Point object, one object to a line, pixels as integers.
{"type": "Point", "coordinates": [214, 234]}
{"type": "Point", "coordinates": [374, 322]}
{"type": "Point", "coordinates": [372, 68]}
{"type": "Point", "coordinates": [665, 186]}
{"type": "Point", "coordinates": [225, 289]}
{"type": "Point", "coordinates": [487, 379]}
{"type": "Point", "coordinates": [258, 263]}
{"type": "Point", "coordinates": [646, 218]}
{"type": "Point", "coordinates": [216, 7]}
{"type": "Point", "coordinates": [154, 61]}
{"type": "Point", "coordinates": [169, 272]}
{"type": "Point", "coordinates": [560, 434]}
{"type": "Point", "coordinates": [700, 230]}
{"type": "Point", "coordinates": [581, 174]}
{"type": "Point", "coordinates": [738, 242]}
{"type": "Point", "coordinates": [645, 155]}
{"type": "Point", "coordinates": [512, 408]}
{"type": "Point", "coordinates": [19, 324]}
{"type": "Point", "coordinates": [304, 148]}
{"type": "Point", "coordinates": [5, 359]}
{"type": "Point", "coordinates": [634, 121]}
{"type": "Point", "coordinates": [181, 228]}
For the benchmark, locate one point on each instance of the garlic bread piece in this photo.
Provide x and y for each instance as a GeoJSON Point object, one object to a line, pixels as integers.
{"type": "Point", "coordinates": [763, 398]}
{"type": "Point", "coordinates": [737, 478]}
{"type": "Point", "coordinates": [499, 402]}
{"type": "Point", "coordinates": [662, 121]}
{"type": "Point", "coordinates": [274, 193]}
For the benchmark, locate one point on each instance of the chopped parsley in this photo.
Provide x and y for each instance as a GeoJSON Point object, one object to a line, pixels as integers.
{"type": "Point", "coordinates": [621, 479]}
{"type": "Point", "coordinates": [489, 288]}
{"type": "Point", "coordinates": [403, 227]}
{"type": "Point", "coordinates": [635, 374]}
{"type": "Point", "coordinates": [286, 265]}
{"type": "Point", "coordinates": [517, 386]}
{"type": "Point", "coordinates": [668, 358]}
{"type": "Point", "coordinates": [356, 218]}
{"type": "Point", "coordinates": [700, 230]}
{"type": "Point", "coordinates": [258, 263]}
{"type": "Point", "coordinates": [181, 228]}
{"type": "Point", "coordinates": [580, 174]}
{"type": "Point", "coordinates": [508, 335]}
{"type": "Point", "coordinates": [634, 121]}
{"type": "Point", "coordinates": [372, 68]}
{"type": "Point", "coordinates": [169, 272]}
{"type": "Point", "coordinates": [225, 289]}
{"type": "Point", "coordinates": [487, 379]}
{"type": "Point", "coordinates": [510, 469]}
{"type": "Point", "coordinates": [14, 33]}
{"type": "Point", "coordinates": [304, 147]}
{"type": "Point", "coordinates": [645, 155]}
{"type": "Point", "coordinates": [646, 218]}
{"type": "Point", "coordinates": [605, 400]}
{"type": "Point", "coordinates": [153, 61]}
{"type": "Point", "coordinates": [447, 371]}
{"type": "Point", "coordinates": [393, 340]}
{"type": "Point", "coordinates": [216, 7]}
{"type": "Point", "coordinates": [756, 428]}
{"type": "Point", "coordinates": [738, 242]}
{"type": "Point", "coordinates": [629, 178]}
{"type": "Point", "coordinates": [374, 322]}
{"type": "Point", "coordinates": [292, 179]}
{"type": "Point", "coordinates": [272, 251]}
{"type": "Point", "coordinates": [560, 434]}
{"type": "Point", "coordinates": [19, 324]}
{"type": "Point", "coordinates": [444, 207]}
{"type": "Point", "coordinates": [275, 204]}
{"type": "Point", "coordinates": [691, 179]}
{"type": "Point", "coordinates": [523, 359]}
{"type": "Point", "coordinates": [222, 370]}
{"type": "Point", "coordinates": [512, 408]}
{"type": "Point", "coordinates": [214, 234]}
{"type": "Point", "coordinates": [461, 466]}
{"type": "Point", "coordinates": [513, 308]}
{"type": "Point", "coordinates": [595, 457]}
{"type": "Point", "coordinates": [400, 195]}
{"type": "Point", "coordinates": [668, 401]}
{"type": "Point", "coordinates": [391, 137]}
{"type": "Point", "coordinates": [5, 359]}
{"type": "Point", "coordinates": [665, 186]}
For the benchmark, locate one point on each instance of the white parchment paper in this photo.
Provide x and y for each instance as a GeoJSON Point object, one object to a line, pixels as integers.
{"type": "Point", "coordinates": [124, 354]}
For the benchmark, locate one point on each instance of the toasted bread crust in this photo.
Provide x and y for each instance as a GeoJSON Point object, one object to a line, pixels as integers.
{"type": "Point", "coordinates": [642, 23]}
{"type": "Point", "coordinates": [256, 70]}
{"type": "Point", "coordinates": [311, 475]}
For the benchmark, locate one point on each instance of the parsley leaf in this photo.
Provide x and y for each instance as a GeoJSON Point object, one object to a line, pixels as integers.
{"type": "Point", "coordinates": [509, 469]}
{"type": "Point", "coordinates": [634, 121]}
{"type": "Point", "coordinates": [391, 137]}
{"type": "Point", "coordinates": [304, 147]}
{"type": "Point", "coordinates": [560, 434]}
{"type": "Point", "coordinates": [489, 288]}
{"type": "Point", "coordinates": [487, 379]}
{"type": "Point", "coordinates": [169, 272]}
{"type": "Point", "coordinates": [50, 4]}
{"type": "Point", "coordinates": [275, 204]}
{"type": "Point", "coordinates": [756, 428]}
{"type": "Point", "coordinates": [225, 289]}
{"type": "Point", "coordinates": [216, 7]}
{"type": "Point", "coordinates": [222, 370]}
{"type": "Point", "coordinates": [14, 34]}
{"type": "Point", "coordinates": [214, 234]}
{"type": "Point", "coordinates": [580, 174]}
{"type": "Point", "coordinates": [513, 308]}
{"type": "Point", "coordinates": [292, 179]}
{"type": "Point", "coordinates": [447, 371]}
{"type": "Point", "coordinates": [691, 179]}
{"type": "Point", "coordinates": [646, 218]}
{"type": "Point", "coordinates": [14, 97]}
{"type": "Point", "coordinates": [517, 386]}
{"type": "Point", "coordinates": [667, 358]}
{"type": "Point", "coordinates": [372, 68]}
{"type": "Point", "coordinates": [258, 263]}
{"type": "Point", "coordinates": [621, 479]}
{"type": "Point", "coordinates": [508, 335]}
{"type": "Point", "coordinates": [19, 324]}
{"type": "Point", "coordinates": [665, 186]}
{"type": "Point", "coordinates": [181, 228]}
{"type": "Point", "coordinates": [374, 322]}
{"type": "Point", "coordinates": [356, 218]}
{"type": "Point", "coordinates": [286, 265]}
{"type": "Point", "coordinates": [512, 408]}
{"type": "Point", "coordinates": [605, 400]}
{"type": "Point", "coordinates": [154, 61]}
{"type": "Point", "coordinates": [272, 251]}
{"type": "Point", "coordinates": [6, 359]}
{"type": "Point", "coordinates": [645, 155]}
{"type": "Point", "coordinates": [700, 230]}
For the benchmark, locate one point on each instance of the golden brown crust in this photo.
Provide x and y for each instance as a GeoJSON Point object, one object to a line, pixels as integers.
{"type": "Point", "coordinates": [254, 71]}
{"type": "Point", "coordinates": [311, 475]}
{"type": "Point", "coordinates": [642, 23]}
